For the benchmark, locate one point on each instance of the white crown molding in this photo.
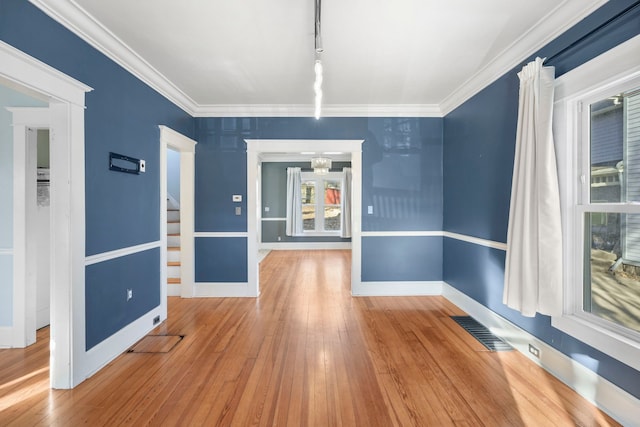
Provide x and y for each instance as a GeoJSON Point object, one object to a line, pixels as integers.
{"type": "Point", "coordinates": [559, 20]}
{"type": "Point", "coordinates": [80, 22]}
{"type": "Point", "coordinates": [307, 110]}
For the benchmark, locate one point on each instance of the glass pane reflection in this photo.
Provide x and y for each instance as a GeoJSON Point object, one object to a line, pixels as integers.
{"type": "Point", "coordinates": [612, 273]}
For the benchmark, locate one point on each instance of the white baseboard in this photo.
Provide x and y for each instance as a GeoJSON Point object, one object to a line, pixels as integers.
{"type": "Point", "coordinates": [101, 354]}
{"type": "Point", "coordinates": [173, 290]}
{"type": "Point", "coordinates": [301, 246]}
{"type": "Point", "coordinates": [373, 289]}
{"type": "Point", "coordinates": [219, 289]}
{"type": "Point", "coordinates": [619, 404]}
{"type": "Point", "coordinates": [6, 337]}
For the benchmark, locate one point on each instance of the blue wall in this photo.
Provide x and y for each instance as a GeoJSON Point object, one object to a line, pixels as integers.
{"type": "Point", "coordinates": [479, 139]}
{"type": "Point", "coordinates": [122, 116]}
{"type": "Point", "coordinates": [402, 180]}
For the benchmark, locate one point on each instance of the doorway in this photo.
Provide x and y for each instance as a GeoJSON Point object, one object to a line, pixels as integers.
{"type": "Point", "coordinates": [171, 140]}
{"type": "Point", "coordinates": [64, 98]}
{"type": "Point", "coordinates": [258, 147]}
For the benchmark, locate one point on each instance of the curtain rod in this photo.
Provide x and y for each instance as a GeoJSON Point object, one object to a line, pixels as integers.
{"type": "Point", "coordinates": [595, 30]}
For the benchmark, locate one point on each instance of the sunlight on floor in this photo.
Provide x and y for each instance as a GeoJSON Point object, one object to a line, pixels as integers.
{"type": "Point", "coordinates": [589, 415]}
{"type": "Point", "coordinates": [26, 391]}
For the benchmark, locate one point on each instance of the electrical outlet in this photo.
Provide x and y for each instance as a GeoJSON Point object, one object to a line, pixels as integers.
{"type": "Point", "coordinates": [534, 350]}
{"type": "Point", "coordinates": [129, 294]}
{"type": "Point", "coordinates": [156, 320]}
{"type": "Point", "coordinates": [143, 166]}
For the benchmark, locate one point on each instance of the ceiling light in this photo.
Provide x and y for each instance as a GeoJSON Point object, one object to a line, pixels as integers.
{"type": "Point", "coordinates": [320, 165]}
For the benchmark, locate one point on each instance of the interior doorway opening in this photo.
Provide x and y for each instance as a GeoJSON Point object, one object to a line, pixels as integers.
{"type": "Point", "coordinates": [256, 150]}
{"type": "Point", "coordinates": [62, 111]}
{"type": "Point", "coordinates": [177, 190]}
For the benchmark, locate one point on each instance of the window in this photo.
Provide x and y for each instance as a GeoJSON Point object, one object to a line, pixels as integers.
{"type": "Point", "coordinates": [597, 132]}
{"type": "Point", "coordinates": [321, 208]}
{"type": "Point", "coordinates": [608, 203]}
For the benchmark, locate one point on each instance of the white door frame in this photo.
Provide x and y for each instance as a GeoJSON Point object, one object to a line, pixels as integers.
{"type": "Point", "coordinates": [186, 147]}
{"type": "Point", "coordinates": [255, 147]}
{"type": "Point", "coordinates": [25, 121]}
{"type": "Point", "coordinates": [66, 98]}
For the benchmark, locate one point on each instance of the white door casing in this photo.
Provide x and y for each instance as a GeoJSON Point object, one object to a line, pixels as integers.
{"type": "Point", "coordinates": [186, 147]}
{"type": "Point", "coordinates": [66, 122]}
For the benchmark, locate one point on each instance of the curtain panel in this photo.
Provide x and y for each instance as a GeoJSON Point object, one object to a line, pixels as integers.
{"type": "Point", "coordinates": [533, 270]}
{"type": "Point", "coordinates": [293, 226]}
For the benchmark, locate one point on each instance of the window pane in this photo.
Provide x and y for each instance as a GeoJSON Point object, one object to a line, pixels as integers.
{"type": "Point", "coordinates": [332, 218]}
{"type": "Point", "coordinates": [612, 273]}
{"type": "Point", "coordinates": [331, 192]}
{"type": "Point", "coordinates": [308, 217]}
{"type": "Point", "coordinates": [308, 192]}
{"type": "Point", "coordinates": [615, 149]}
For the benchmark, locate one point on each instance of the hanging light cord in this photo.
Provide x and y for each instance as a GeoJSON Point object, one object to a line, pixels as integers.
{"type": "Point", "coordinates": [317, 85]}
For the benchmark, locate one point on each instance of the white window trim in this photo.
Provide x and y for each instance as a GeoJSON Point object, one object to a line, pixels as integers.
{"type": "Point", "coordinates": [613, 69]}
{"type": "Point", "coordinates": [310, 176]}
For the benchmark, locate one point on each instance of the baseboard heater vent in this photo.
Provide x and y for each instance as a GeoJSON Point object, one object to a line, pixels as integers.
{"type": "Point", "coordinates": [156, 344]}
{"type": "Point", "coordinates": [482, 334]}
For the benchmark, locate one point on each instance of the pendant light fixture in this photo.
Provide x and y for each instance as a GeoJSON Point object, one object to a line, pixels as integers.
{"type": "Point", "coordinates": [320, 165]}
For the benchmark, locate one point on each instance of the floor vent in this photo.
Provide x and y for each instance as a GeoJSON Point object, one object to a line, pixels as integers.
{"type": "Point", "coordinates": [156, 344]}
{"type": "Point", "coordinates": [482, 334]}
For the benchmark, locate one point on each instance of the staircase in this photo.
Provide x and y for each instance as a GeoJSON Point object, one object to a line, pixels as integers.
{"type": "Point", "coordinates": [173, 252]}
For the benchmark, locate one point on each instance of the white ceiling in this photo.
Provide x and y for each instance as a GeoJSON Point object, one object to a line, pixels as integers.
{"type": "Point", "coordinates": [381, 57]}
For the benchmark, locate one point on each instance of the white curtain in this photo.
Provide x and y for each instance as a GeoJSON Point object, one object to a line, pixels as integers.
{"type": "Point", "coordinates": [345, 201]}
{"type": "Point", "coordinates": [533, 270]}
{"type": "Point", "coordinates": [294, 202]}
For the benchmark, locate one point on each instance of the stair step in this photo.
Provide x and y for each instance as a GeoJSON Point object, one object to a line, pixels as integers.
{"type": "Point", "coordinates": [173, 215]}
{"type": "Point", "coordinates": [173, 234]}
{"type": "Point", "coordinates": [173, 256]}
{"type": "Point", "coordinates": [173, 248]}
{"type": "Point", "coordinates": [173, 280]}
{"type": "Point", "coordinates": [173, 264]}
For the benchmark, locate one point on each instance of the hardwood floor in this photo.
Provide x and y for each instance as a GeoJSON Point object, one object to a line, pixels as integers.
{"type": "Point", "coordinates": [305, 353]}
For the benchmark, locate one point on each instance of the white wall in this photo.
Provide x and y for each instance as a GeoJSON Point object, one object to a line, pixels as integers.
{"type": "Point", "coordinates": [8, 98]}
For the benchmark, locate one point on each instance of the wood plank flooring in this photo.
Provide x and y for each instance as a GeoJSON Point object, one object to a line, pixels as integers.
{"type": "Point", "coordinates": [305, 353]}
